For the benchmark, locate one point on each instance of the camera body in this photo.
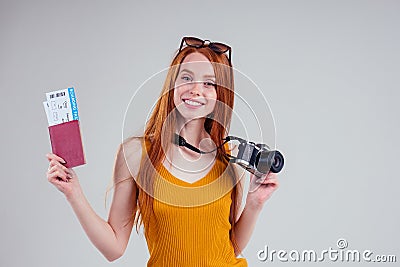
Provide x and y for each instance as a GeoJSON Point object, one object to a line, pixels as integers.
{"type": "Point", "coordinates": [257, 158]}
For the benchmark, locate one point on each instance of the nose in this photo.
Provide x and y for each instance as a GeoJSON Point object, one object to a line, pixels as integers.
{"type": "Point", "coordinates": [196, 88]}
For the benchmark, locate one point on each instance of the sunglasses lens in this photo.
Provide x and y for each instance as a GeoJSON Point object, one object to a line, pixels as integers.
{"type": "Point", "coordinates": [218, 47]}
{"type": "Point", "coordinates": [193, 41]}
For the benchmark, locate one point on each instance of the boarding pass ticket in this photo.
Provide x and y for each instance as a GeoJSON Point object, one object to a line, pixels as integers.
{"type": "Point", "coordinates": [61, 106]}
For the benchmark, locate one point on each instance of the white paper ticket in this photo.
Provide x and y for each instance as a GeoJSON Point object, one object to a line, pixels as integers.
{"type": "Point", "coordinates": [61, 106]}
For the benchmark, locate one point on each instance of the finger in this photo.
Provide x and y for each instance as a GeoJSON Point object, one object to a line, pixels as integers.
{"type": "Point", "coordinates": [260, 175]}
{"type": "Point", "coordinates": [71, 173]}
{"type": "Point", "coordinates": [51, 156]}
{"type": "Point", "coordinates": [61, 168]}
{"type": "Point", "coordinates": [57, 173]}
{"type": "Point", "coordinates": [271, 181]}
{"type": "Point", "coordinates": [268, 176]}
{"type": "Point", "coordinates": [56, 163]}
{"type": "Point", "coordinates": [55, 157]}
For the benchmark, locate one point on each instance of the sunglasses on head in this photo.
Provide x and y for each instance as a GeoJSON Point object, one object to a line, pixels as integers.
{"type": "Point", "coordinates": [219, 48]}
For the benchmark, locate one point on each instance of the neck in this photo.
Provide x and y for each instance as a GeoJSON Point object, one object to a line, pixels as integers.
{"type": "Point", "coordinates": [193, 131]}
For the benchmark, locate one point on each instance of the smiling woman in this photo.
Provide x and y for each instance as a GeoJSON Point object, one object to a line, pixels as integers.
{"type": "Point", "coordinates": [188, 204]}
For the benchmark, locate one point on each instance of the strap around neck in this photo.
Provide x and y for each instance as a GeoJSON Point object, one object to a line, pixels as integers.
{"type": "Point", "coordinates": [180, 141]}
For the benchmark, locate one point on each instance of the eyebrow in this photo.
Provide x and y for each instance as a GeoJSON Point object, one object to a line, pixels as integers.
{"type": "Point", "coordinates": [191, 72]}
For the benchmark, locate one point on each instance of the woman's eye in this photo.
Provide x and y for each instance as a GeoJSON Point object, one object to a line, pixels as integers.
{"type": "Point", "coordinates": [186, 78]}
{"type": "Point", "coordinates": [210, 84]}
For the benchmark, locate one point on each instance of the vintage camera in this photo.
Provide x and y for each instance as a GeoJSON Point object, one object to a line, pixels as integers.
{"type": "Point", "coordinates": [256, 158]}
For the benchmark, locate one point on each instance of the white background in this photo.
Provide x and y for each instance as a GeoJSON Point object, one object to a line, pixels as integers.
{"type": "Point", "coordinates": [329, 69]}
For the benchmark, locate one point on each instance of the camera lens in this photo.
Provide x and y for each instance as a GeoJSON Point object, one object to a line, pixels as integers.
{"type": "Point", "coordinates": [278, 162]}
{"type": "Point", "coordinates": [267, 160]}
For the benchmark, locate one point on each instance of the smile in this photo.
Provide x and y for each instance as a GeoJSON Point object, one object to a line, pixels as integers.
{"type": "Point", "coordinates": [192, 103]}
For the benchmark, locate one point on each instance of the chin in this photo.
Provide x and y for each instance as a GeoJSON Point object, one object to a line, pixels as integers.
{"type": "Point", "coordinates": [190, 116]}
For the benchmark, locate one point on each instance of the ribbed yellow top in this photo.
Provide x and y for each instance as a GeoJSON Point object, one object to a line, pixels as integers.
{"type": "Point", "coordinates": [190, 225]}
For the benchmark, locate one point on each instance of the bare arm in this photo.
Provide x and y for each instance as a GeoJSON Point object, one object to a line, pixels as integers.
{"type": "Point", "coordinates": [258, 194]}
{"type": "Point", "coordinates": [110, 237]}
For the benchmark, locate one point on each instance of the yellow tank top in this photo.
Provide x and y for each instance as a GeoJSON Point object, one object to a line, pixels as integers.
{"type": "Point", "coordinates": [190, 224]}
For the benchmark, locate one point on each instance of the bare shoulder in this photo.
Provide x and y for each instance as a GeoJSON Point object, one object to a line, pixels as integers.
{"type": "Point", "coordinates": [128, 158]}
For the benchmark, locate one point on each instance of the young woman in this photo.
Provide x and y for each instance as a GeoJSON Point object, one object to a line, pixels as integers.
{"type": "Point", "coordinates": [188, 203]}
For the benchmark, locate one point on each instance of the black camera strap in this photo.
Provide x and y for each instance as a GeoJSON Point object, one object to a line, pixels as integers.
{"type": "Point", "coordinates": [180, 141]}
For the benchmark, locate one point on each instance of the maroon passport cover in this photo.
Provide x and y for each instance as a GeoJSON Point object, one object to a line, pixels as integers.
{"type": "Point", "coordinates": [66, 142]}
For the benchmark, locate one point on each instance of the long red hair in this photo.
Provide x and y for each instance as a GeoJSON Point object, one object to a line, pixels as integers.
{"type": "Point", "coordinates": [161, 127]}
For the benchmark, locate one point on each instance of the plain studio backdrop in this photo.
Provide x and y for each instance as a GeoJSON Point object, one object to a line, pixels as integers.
{"type": "Point", "coordinates": [328, 69]}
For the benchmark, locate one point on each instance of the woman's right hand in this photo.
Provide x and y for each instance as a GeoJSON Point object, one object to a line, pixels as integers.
{"type": "Point", "coordinates": [63, 178]}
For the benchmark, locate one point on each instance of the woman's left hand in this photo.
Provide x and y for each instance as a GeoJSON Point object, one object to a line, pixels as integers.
{"type": "Point", "coordinates": [261, 189]}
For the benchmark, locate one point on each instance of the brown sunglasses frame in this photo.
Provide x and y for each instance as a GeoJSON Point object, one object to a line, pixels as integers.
{"type": "Point", "coordinates": [209, 44]}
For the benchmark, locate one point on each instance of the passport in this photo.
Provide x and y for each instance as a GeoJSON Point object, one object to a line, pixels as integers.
{"type": "Point", "coordinates": [61, 109]}
{"type": "Point", "coordinates": [66, 142]}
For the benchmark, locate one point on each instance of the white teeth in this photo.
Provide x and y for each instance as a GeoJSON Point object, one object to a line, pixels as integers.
{"type": "Point", "coordinates": [192, 103]}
